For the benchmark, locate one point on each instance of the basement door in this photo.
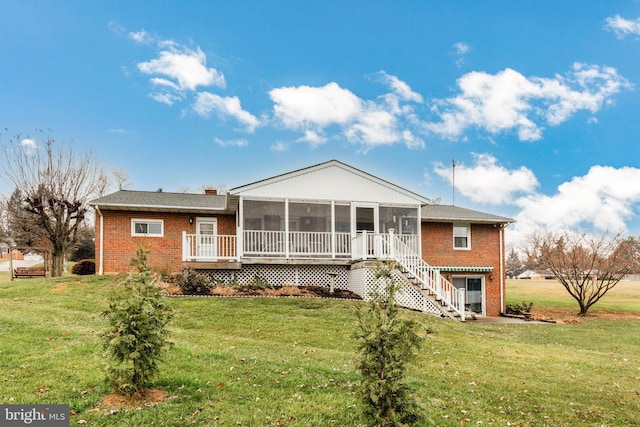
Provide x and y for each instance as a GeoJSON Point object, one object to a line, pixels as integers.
{"type": "Point", "coordinates": [474, 292]}
{"type": "Point", "coordinates": [207, 238]}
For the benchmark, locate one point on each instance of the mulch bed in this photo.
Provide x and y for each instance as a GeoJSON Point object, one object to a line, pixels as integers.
{"type": "Point", "coordinates": [283, 291]}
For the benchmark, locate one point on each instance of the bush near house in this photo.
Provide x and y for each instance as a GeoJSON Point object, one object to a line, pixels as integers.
{"type": "Point", "coordinates": [84, 267]}
{"type": "Point", "coordinates": [193, 283]}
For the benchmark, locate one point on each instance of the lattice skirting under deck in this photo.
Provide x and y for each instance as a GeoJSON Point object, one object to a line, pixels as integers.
{"type": "Point", "coordinates": [360, 280]}
{"type": "Point", "coordinates": [284, 275]}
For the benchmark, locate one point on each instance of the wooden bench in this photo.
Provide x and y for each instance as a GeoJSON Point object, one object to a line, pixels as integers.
{"type": "Point", "coordinates": [29, 272]}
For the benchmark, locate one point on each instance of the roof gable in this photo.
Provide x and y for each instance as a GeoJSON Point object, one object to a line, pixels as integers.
{"type": "Point", "coordinates": [331, 180]}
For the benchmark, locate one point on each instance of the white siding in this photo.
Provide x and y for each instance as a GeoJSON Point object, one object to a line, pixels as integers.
{"type": "Point", "coordinates": [334, 181]}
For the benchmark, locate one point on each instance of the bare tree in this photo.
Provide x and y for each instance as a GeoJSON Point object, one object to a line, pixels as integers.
{"type": "Point", "coordinates": [121, 178]}
{"type": "Point", "coordinates": [587, 266]}
{"type": "Point", "coordinates": [52, 188]}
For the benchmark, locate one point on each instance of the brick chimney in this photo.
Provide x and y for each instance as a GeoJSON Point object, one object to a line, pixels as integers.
{"type": "Point", "coordinates": [211, 191]}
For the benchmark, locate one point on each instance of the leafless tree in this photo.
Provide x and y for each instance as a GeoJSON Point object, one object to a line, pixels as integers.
{"type": "Point", "coordinates": [52, 187]}
{"type": "Point", "coordinates": [121, 178]}
{"type": "Point", "coordinates": [587, 266]}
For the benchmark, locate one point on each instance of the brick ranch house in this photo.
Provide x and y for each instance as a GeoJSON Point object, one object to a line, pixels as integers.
{"type": "Point", "coordinates": [325, 225]}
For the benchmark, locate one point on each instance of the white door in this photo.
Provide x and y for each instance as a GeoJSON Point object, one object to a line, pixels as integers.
{"type": "Point", "coordinates": [473, 291]}
{"type": "Point", "coordinates": [207, 238]}
{"type": "Point", "coordinates": [364, 225]}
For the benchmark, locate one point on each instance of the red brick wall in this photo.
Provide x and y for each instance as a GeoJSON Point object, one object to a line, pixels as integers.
{"type": "Point", "coordinates": [164, 252]}
{"type": "Point", "coordinates": [437, 249]}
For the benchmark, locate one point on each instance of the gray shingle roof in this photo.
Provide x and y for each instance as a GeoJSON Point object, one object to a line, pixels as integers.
{"type": "Point", "coordinates": [153, 201]}
{"type": "Point", "coordinates": [449, 213]}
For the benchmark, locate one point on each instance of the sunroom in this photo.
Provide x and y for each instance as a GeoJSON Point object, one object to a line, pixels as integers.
{"type": "Point", "coordinates": [323, 229]}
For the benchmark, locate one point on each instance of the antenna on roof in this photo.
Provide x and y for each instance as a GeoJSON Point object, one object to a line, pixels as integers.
{"type": "Point", "coordinates": [453, 182]}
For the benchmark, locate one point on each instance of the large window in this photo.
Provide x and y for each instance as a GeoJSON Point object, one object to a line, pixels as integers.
{"type": "Point", "coordinates": [343, 218]}
{"type": "Point", "coordinates": [461, 236]}
{"type": "Point", "coordinates": [263, 215]}
{"type": "Point", "coordinates": [314, 217]}
{"type": "Point", "coordinates": [402, 220]}
{"type": "Point", "coordinates": [147, 227]}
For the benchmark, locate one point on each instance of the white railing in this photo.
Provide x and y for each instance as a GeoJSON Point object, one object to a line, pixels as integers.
{"type": "Point", "coordinates": [305, 243]}
{"type": "Point", "coordinates": [264, 243]}
{"type": "Point", "coordinates": [429, 277]}
{"type": "Point", "coordinates": [367, 245]}
{"type": "Point", "coordinates": [208, 247]}
{"type": "Point", "coordinates": [296, 244]}
{"type": "Point", "coordinates": [277, 244]}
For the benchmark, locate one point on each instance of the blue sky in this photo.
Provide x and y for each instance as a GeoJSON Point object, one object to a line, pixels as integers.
{"type": "Point", "coordinates": [537, 101]}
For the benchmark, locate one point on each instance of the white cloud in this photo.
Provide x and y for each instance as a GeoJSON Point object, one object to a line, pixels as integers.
{"type": "Point", "coordinates": [374, 126]}
{"type": "Point", "coordinates": [115, 27]}
{"type": "Point", "coordinates": [412, 141]}
{"type": "Point", "coordinates": [206, 103]}
{"type": "Point", "coordinates": [279, 146]}
{"type": "Point", "coordinates": [186, 68]}
{"type": "Point", "coordinates": [231, 142]}
{"type": "Point", "coordinates": [158, 81]}
{"type": "Point", "coordinates": [621, 27]}
{"type": "Point", "coordinates": [141, 37]}
{"type": "Point", "coordinates": [603, 199]}
{"type": "Point", "coordinates": [29, 146]}
{"type": "Point", "coordinates": [400, 88]}
{"type": "Point", "coordinates": [509, 101]}
{"type": "Point", "coordinates": [312, 137]}
{"type": "Point", "coordinates": [315, 110]}
{"type": "Point", "coordinates": [306, 106]}
{"type": "Point", "coordinates": [488, 182]}
{"type": "Point", "coordinates": [461, 48]}
{"type": "Point", "coordinates": [460, 51]}
{"type": "Point", "coordinates": [164, 98]}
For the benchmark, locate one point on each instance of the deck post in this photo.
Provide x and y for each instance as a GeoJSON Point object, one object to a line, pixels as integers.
{"type": "Point", "coordinates": [185, 249]}
{"type": "Point", "coordinates": [365, 249]}
{"type": "Point", "coordinates": [392, 246]}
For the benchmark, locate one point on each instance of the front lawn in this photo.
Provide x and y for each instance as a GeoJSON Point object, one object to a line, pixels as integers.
{"type": "Point", "coordinates": [271, 361]}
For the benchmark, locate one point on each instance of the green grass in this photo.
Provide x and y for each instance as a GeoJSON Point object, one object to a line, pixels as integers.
{"type": "Point", "coordinates": [291, 362]}
{"type": "Point", "coordinates": [549, 296]}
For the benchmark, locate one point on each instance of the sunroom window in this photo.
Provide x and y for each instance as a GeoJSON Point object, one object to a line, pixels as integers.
{"type": "Point", "coordinates": [263, 215]}
{"type": "Point", "coordinates": [402, 220]}
{"type": "Point", "coordinates": [309, 217]}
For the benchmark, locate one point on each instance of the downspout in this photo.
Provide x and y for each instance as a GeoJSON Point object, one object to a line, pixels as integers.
{"type": "Point", "coordinates": [239, 229]}
{"type": "Point", "coordinates": [502, 268]}
{"type": "Point", "coordinates": [101, 258]}
{"type": "Point", "coordinates": [419, 225]}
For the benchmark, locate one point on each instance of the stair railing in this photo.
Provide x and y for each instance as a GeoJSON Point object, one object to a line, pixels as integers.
{"type": "Point", "coordinates": [428, 276]}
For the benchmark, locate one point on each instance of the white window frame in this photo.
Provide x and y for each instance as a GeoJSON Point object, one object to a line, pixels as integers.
{"type": "Point", "coordinates": [147, 221]}
{"type": "Point", "coordinates": [468, 236]}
